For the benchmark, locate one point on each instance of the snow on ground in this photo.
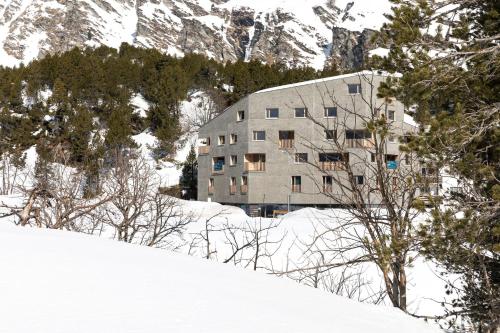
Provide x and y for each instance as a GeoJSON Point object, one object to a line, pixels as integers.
{"type": "Point", "coordinates": [57, 281]}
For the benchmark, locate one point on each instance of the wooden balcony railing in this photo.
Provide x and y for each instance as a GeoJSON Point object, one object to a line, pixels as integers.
{"type": "Point", "coordinates": [296, 188]}
{"type": "Point", "coordinates": [232, 189]}
{"type": "Point", "coordinates": [244, 189]}
{"type": "Point", "coordinates": [360, 143]}
{"type": "Point", "coordinates": [331, 166]}
{"type": "Point", "coordinates": [211, 190]}
{"type": "Point", "coordinates": [286, 143]}
{"type": "Point", "coordinates": [255, 166]}
{"type": "Point", "coordinates": [203, 150]}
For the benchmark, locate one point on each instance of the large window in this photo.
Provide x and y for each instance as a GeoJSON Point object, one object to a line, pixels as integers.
{"type": "Point", "coordinates": [259, 135]}
{"type": "Point", "coordinates": [296, 184]}
{"type": "Point", "coordinates": [300, 112]}
{"type": "Point", "coordinates": [218, 164]}
{"type": "Point", "coordinates": [331, 112]}
{"type": "Point", "coordinates": [272, 113]}
{"type": "Point", "coordinates": [300, 157]}
{"type": "Point", "coordinates": [354, 88]}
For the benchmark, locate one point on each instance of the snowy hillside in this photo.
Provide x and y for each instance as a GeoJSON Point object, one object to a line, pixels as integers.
{"type": "Point", "coordinates": [55, 281]}
{"type": "Point", "coordinates": [298, 32]}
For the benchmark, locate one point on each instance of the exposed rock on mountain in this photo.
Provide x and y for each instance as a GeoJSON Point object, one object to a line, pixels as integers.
{"type": "Point", "coordinates": [312, 32]}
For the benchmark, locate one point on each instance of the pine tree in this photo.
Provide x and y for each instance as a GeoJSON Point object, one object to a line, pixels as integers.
{"type": "Point", "coordinates": [450, 63]}
{"type": "Point", "coordinates": [189, 177]}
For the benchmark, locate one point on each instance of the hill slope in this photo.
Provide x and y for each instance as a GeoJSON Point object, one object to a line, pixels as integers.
{"type": "Point", "coordinates": [55, 281]}
{"type": "Point", "coordinates": [297, 32]}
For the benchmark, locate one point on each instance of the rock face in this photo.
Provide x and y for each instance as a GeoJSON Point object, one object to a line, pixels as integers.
{"type": "Point", "coordinates": [312, 32]}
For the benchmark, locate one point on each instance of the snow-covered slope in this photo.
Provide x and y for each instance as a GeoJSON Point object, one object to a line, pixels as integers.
{"type": "Point", "coordinates": [298, 32]}
{"type": "Point", "coordinates": [55, 281]}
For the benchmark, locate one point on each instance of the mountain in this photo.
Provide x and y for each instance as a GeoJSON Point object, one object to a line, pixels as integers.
{"type": "Point", "coordinates": [298, 32]}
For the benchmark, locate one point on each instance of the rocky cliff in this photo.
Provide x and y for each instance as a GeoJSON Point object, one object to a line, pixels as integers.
{"type": "Point", "coordinates": [298, 32]}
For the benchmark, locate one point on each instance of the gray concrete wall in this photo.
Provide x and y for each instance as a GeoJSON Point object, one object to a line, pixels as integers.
{"type": "Point", "coordinates": [274, 185]}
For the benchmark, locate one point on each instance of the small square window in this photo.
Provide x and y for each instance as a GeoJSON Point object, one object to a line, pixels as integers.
{"type": "Point", "coordinates": [300, 112]}
{"type": "Point", "coordinates": [354, 88]}
{"type": "Point", "coordinates": [331, 112]}
{"type": "Point", "coordinates": [296, 184]}
{"type": "Point", "coordinates": [240, 116]}
{"type": "Point", "coordinates": [222, 140]}
{"type": "Point", "coordinates": [391, 115]}
{"type": "Point", "coordinates": [330, 134]}
{"type": "Point", "coordinates": [259, 135]}
{"type": "Point", "coordinates": [301, 158]}
{"type": "Point", "coordinates": [359, 180]}
{"type": "Point", "coordinates": [233, 160]}
{"type": "Point", "coordinates": [233, 139]}
{"type": "Point", "coordinates": [272, 113]}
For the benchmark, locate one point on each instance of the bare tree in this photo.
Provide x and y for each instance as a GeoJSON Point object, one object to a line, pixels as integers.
{"type": "Point", "coordinates": [377, 189]}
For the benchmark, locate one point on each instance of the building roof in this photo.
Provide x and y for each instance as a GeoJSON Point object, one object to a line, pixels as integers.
{"type": "Point", "coordinates": [327, 79]}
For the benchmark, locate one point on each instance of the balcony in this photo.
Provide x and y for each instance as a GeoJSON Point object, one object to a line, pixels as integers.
{"type": "Point", "coordinates": [255, 163]}
{"type": "Point", "coordinates": [331, 166]}
{"type": "Point", "coordinates": [232, 189]}
{"type": "Point", "coordinates": [286, 139]}
{"type": "Point", "coordinates": [244, 189]}
{"type": "Point", "coordinates": [203, 150]}
{"type": "Point", "coordinates": [360, 143]}
{"type": "Point", "coordinates": [255, 166]}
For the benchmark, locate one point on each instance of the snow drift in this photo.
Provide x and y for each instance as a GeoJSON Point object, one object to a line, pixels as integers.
{"type": "Point", "coordinates": [56, 281]}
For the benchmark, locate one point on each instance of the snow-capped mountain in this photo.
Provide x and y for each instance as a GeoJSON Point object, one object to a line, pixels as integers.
{"type": "Point", "coordinates": [312, 32]}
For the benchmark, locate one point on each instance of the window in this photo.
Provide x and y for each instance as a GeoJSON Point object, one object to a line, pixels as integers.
{"type": "Point", "coordinates": [391, 115]}
{"type": "Point", "coordinates": [392, 138]}
{"type": "Point", "coordinates": [331, 112]}
{"type": "Point", "coordinates": [244, 185]}
{"type": "Point", "coordinates": [359, 180]}
{"type": "Point", "coordinates": [286, 139]}
{"type": "Point", "coordinates": [354, 88]}
{"type": "Point", "coordinates": [233, 160]}
{"type": "Point", "coordinates": [272, 113]}
{"type": "Point", "coordinates": [327, 184]}
{"type": "Point", "coordinates": [211, 186]}
{"type": "Point", "coordinates": [330, 134]}
{"type": "Point", "coordinates": [232, 185]}
{"type": "Point", "coordinates": [296, 184]}
{"type": "Point", "coordinates": [372, 157]}
{"type": "Point", "coordinates": [218, 164]}
{"type": "Point", "coordinates": [240, 116]}
{"type": "Point", "coordinates": [222, 140]}
{"type": "Point", "coordinates": [233, 138]}
{"type": "Point", "coordinates": [301, 158]}
{"type": "Point", "coordinates": [300, 112]}
{"type": "Point", "coordinates": [259, 135]}
{"type": "Point", "coordinates": [407, 159]}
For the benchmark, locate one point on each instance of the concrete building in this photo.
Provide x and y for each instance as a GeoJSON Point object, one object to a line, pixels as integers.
{"type": "Point", "coordinates": [261, 151]}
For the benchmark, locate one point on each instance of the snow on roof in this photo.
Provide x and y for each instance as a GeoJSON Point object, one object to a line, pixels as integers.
{"type": "Point", "coordinates": [407, 119]}
{"type": "Point", "coordinates": [327, 79]}
{"type": "Point", "coordinates": [70, 282]}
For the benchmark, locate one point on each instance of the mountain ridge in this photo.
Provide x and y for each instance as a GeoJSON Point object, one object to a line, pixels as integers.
{"type": "Point", "coordinates": [316, 34]}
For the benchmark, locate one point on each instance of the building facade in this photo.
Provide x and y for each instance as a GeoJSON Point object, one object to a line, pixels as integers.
{"type": "Point", "coordinates": [271, 149]}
